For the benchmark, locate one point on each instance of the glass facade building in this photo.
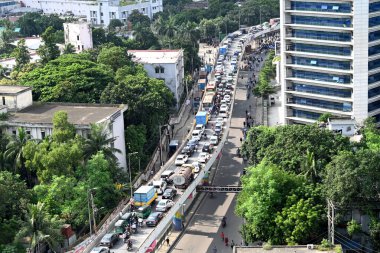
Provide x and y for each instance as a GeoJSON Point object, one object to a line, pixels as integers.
{"type": "Point", "coordinates": [323, 69]}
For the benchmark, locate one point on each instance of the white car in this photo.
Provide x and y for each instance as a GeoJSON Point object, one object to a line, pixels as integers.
{"type": "Point", "coordinates": [227, 98]}
{"type": "Point", "coordinates": [203, 157]}
{"type": "Point", "coordinates": [197, 167]}
{"type": "Point", "coordinates": [200, 128]}
{"type": "Point", "coordinates": [220, 120]}
{"type": "Point", "coordinates": [100, 250]}
{"type": "Point", "coordinates": [223, 108]}
{"type": "Point", "coordinates": [181, 159]}
{"type": "Point", "coordinates": [214, 140]}
{"type": "Point", "coordinates": [196, 135]}
{"type": "Point", "coordinates": [164, 205]}
{"type": "Point", "coordinates": [159, 186]}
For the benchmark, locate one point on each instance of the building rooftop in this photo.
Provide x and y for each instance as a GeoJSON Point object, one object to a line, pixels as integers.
{"type": "Point", "coordinates": [278, 249]}
{"type": "Point", "coordinates": [78, 114]}
{"type": "Point", "coordinates": [156, 56]}
{"type": "Point", "coordinates": [12, 89]}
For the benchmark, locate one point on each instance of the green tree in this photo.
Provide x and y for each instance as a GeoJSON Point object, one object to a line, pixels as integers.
{"type": "Point", "coordinates": [145, 37]}
{"type": "Point", "coordinates": [114, 23]}
{"type": "Point", "coordinates": [371, 134]}
{"type": "Point", "coordinates": [15, 153]}
{"type": "Point", "coordinates": [135, 137]}
{"type": "Point", "coordinates": [49, 50]}
{"type": "Point", "coordinates": [310, 167]}
{"type": "Point", "coordinates": [40, 227]}
{"type": "Point", "coordinates": [14, 198]}
{"type": "Point", "coordinates": [137, 18]}
{"type": "Point", "coordinates": [6, 37]}
{"type": "Point", "coordinates": [98, 36]}
{"type": "Point", "coordinates": [278, 206]}
{"type": "Point", "coordinates": [70, 78]}
{"type": "Point", "coordinates": [99, 141]}
{"type": "Point", "coordinates": [69, 49]}
{"type": "Point", "coordinates": [115, 57]}
{"type": "Point", "coordinates": [324, 117]}
{"type": "Point", "coordinates": [21, 54]}
{"type": "Point", "coordinates": [353, 227]}
{"type": "Point", "coordinates": [166, 29]}
{"type": "Point", "coordinates": [63, 130]}
{"type": "Point", "coordinates": [374, 231]}
{"type": "Point", "coordinates": [352, 178]}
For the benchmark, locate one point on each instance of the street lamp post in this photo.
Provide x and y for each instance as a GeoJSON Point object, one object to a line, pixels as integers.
{"type": "Point", "coordinates": [130, 171]}
{"type": "Point", "coordinates": [239, 5]}
{"type": "Point", "coordinates": [90, 197]}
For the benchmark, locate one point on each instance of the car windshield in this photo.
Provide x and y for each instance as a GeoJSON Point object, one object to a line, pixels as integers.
{"type": "Point", "coordinates": [161, 203]}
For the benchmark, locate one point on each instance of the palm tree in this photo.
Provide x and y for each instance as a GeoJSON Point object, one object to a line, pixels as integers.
{"type": "Point", "coordinates": [166, 28]}
{"type": "Point", "coordinates": [15, 149]}
{"type": "Point", "coordinates": [309, 166]}
{"type": "Point", "coordinates": [69, 49]}
{"type": "Point", "coordinates": [40, 227]}
{"type": "Point", "coordinates": [98, 140]}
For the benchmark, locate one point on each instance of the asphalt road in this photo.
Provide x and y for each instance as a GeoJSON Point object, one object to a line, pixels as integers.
{"type": "Point", "coordinates": [203, 232]}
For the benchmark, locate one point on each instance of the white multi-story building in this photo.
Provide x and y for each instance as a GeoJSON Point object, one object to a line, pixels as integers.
{"type": "Point", "coordinates": [37, 118]}
{"type": "Point", "coordinates": [7, 6]}
{"type": "Point", "coordinates": [330, 59]}
{"type": "Point", "coordinates": [167, 65]}
{"type": "Point", "coordinates": [78, 34]}
{"type": "Point", "coordinates": [98, 12]}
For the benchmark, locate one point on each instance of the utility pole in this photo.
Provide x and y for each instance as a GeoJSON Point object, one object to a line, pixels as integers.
{"type": "Point", "coordinates": [331, 220]}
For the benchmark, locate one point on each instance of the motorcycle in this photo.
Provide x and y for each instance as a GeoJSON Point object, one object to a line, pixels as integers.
{"type": "Point", "coordinates": [126, 236]}
{"type": "Point", "coordinates": [224, 222]}
{"type": "Point", "coordinates": [134, 228]}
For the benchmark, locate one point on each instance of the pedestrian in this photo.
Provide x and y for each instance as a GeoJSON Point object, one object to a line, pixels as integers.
{"type": "Point", "coordinates": [167, 241]}
{"type": "Point", "coordinates": [246, 112]}
{"type": "Point", "coordinates": [232, 244]}
{"type": "Point", "coordinates": [244, 123]}
{"type": "Point", "coordinates": [214, 250]}
{"type": "Point", "coordinates": [226, 241]}
{"type": "Point", "coordinates": [249, 107]}
{"type": "Point", "coordinates": [222, 236]}
{"type": "Point", "coordinates": [241, 139]}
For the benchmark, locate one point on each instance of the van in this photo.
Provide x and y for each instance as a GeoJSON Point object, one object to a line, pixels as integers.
{"type": "Point", "coordinates": [196, 135]}
{"type": "Point", "coordinates": [120, 226]}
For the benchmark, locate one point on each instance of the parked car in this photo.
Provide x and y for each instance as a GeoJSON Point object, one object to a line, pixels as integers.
{"type": "Point", "coordinates": [223, 108]}
{"type": "Point", "coordinates": [109, 240]}
{"type": "Point", "coordinates": [181, 159]}
{"type": "Point", "coordinates": [100, 250]}
{"type": "Point", "coordinates": [169, 193]}
{"type": "Point", "coordinates": [203, 157]}
{"type": "Point", "coordinates": [154, 219]}
{"type": "Point", "coordinates": [159, 186]}
{"type": "Point", "coordinates": [214, 140]}
{"type": "Point", "coordinates": [206, 148]}
{"type": "Point", "coordinates": [164, 205]}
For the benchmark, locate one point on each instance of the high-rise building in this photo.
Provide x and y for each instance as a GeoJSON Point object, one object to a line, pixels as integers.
{"type": "Point", "coordinates": [330, 59]}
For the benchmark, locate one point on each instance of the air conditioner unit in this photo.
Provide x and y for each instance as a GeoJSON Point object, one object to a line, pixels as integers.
{"type": "Point", "coordinates": [310, 246]}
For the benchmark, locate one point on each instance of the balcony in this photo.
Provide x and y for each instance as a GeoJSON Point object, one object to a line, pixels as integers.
{"type": "Point", "coordinates": [320, 69]}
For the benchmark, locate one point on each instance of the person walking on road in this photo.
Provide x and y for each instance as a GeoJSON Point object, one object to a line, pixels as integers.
{"type": "Point", "coordinates": [232, 244]}
{"type": "Point", "coordinates": [226, 240]}
{"type": "Point", "coordinates": [167, 241]}
{"type": "Point", "coordinates": [214, 250]}
{"type": "Point", "coordinates": [222, 236]}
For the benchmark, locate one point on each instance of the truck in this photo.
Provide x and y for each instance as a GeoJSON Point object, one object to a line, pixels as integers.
{"type": "Point", "coordinates": [201, 118]}
{"type": "Point", "coordinates": [202, 74]}
{"type": "Point", "coordinates": [202, 84]}
{"type": "Point", "coordinates": [223, 50]}
{"type": "Point", "coordinates": [145, 195]}
{"type": "Point", "coordinates": [183, 177]}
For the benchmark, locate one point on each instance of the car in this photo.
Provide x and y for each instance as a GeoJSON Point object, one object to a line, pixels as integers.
{"type": "Point", "coordinates": [227, 98]}
{"type": "Point", "coordinates": [200, 127]}
{"type": "Point", "coordinates": [197, 167]}
{"type": "Point", "coordinates": [203, 157]}
{"type": "Point", "coordinates": [159, 186]}
{"type": "Point", "coordinates": [223, 108]}
{"type": "Point", "coordinates": [214, 140]}
{"type": "Point", "coordinates": [224, 115]}
{"type": "Point", "coordinates": [188, 150]}
{"type": "Point", "coordinates": [193, 142]}
{"type": "Point", "coordinates": [164, 205]}
{"type": "Point", "coordinates": [181, 159]}
{"type": "Point", "coordinates": [196, 135]}
{"type": "Point", "coordinates": [206, 148]}
{"type": "Point", "coordinates": [143, 211]}
{"type": "Point", "coordinates": [154, 219]}
{"type": "Point", "coordinates": [169, 193]}
{"type": "Point", "coordinates": [218, 128]}
{"type": "Point", "coordinates": [228, 91]}
{"type": "Point", "coordinates": [220, 120]}
{"type": "Point", "coordinates": [109, 240]}
{"type": "Point", "coordinates": [100, 250]}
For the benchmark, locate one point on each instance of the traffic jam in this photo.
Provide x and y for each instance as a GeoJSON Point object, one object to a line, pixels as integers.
{"type": "Point", "coordinates": [153, 200]}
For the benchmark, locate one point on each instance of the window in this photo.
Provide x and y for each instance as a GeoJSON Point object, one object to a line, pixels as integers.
{"type": "Point", "coordinates": [77, 37]}
{"type": "Point", "coordinates": [78, 47]}
{"type": "Point", "coordinates": [3, 100]}
{"type": "Point", "coordinates": [162, 69]}
{"type": "Point", "coordinates": [14, 132]}
{"type": "Point", "coordinates": [101, 14]}
{"type": "Point", "coordinates": [43, 134]}
{"type": "Point", "coordinates": [82, 47]}
{"type": "Point", "coordinates": [28, 132]}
